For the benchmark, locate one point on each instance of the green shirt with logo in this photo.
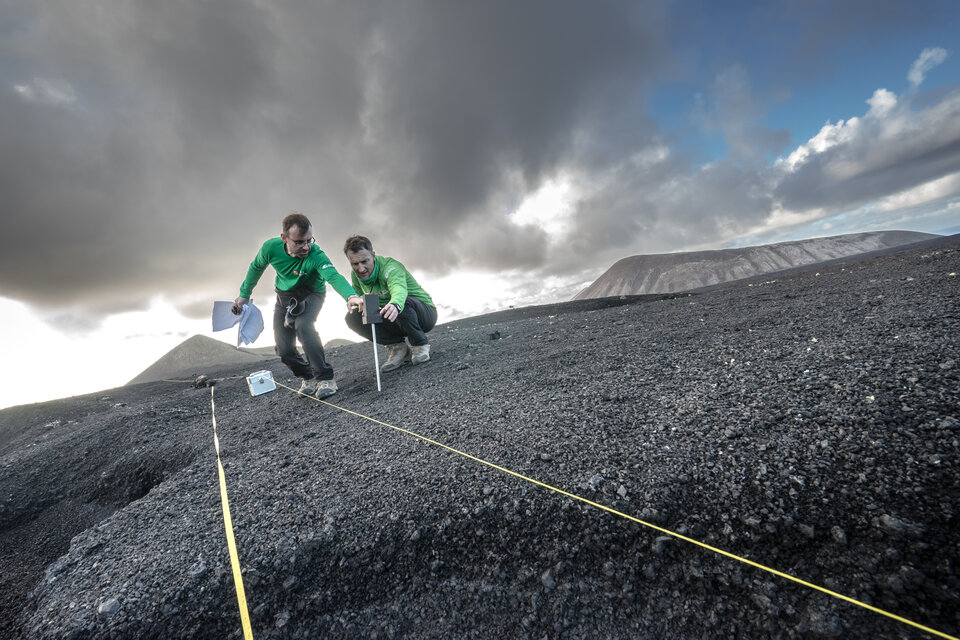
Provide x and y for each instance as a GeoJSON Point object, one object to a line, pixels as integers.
{"type": "Point", "coordinates": [392, 282]}
{"type": "Point", "coordinates": [312, 272]}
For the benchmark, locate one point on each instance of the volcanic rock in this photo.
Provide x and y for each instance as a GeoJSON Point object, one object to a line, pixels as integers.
{"type": "Point", "coordinates": [116, 495]}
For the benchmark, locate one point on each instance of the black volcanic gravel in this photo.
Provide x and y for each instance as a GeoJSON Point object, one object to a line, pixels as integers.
{"type": "Point", "coordinates": [808, 422]}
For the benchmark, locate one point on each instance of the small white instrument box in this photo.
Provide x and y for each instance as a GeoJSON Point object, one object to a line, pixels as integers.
{"type": "Point", "coordinates": [260, 382]}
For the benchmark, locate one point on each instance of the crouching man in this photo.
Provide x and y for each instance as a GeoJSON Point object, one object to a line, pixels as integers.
{"type": "Point", "coordinates": [408, 309]}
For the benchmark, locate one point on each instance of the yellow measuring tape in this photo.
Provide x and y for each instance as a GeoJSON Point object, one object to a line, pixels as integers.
{"type": "Point", "coordinates": [646, 524]}
{"type": "Point", "coordinates": [228, 524]}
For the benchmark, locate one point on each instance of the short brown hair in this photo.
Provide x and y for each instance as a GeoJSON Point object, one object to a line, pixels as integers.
{"type": "Point", "coordinates": [295, 219]}
{"type": "Point", "coordinates": [356, 243]}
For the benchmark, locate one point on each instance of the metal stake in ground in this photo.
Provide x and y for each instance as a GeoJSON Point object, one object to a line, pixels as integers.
{"type": "Point", "coordinates": [372, 301]}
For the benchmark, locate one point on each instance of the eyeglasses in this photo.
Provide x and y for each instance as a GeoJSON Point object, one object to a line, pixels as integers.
{"type": "Point", "coordinates": [302, 243]}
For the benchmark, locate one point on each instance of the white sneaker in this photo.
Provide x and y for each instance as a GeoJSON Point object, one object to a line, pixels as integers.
{"type": "Point", "coordinates": [326, 388]}
{"type": "Point", "coordinates": [307, 387]}
{"type": "Point", "coordinates": [419, 353]}
{"type": "Point", "coordinates": [396, 354]}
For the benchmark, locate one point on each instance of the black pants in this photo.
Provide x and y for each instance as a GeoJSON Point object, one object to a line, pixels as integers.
{"type": "Point", "coordinates": [413, 323]}
{"type": "Point", "coordinates": [315, 365]}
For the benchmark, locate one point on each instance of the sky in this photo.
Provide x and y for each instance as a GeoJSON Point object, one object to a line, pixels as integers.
{"type": "Point", "coordinates": [506, 151]}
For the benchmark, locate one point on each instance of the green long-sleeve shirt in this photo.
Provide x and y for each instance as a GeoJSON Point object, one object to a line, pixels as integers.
{"type": "Point", "coordinates": [392, 282]}
{"type": "Point", "coordinates": [312, 272]}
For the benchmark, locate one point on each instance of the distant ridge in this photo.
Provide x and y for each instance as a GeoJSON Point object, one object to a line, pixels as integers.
{"type": "Point", "coordinates": [194, 354]}
{"type": "Point", "coordinates": [675, 272]}
{"type": "Point", "coordinates": [271, 351]}
{"type": "Point", "coordinates": [199, 352]}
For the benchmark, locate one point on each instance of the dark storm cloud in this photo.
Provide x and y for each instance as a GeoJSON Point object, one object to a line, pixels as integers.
{"type": "Point", "coordinates": [465, 94]}
{"type": "Point", "coordinates": [99, 187]}
{"type": "Point", "coordinates": [192, 130]}
{"type": "Point", "coordinates": [150, 147]}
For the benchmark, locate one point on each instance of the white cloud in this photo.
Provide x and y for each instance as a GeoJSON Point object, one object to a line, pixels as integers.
{"type": "Point", "coordinates": [650, 156]}
{"type": "Point", "coordinates": [548, 208]}
{"type": "Point", "coordinates": [778, 219]}
{"type": "Point", "coordinates": [882, 106]}
{"type": "Point", "coordinates": [466, 293]}
{"type": "Point", "coordinates": [108, 356]}
{"type": "Point", "coordinates": [881, 103]}
{"type": "Point", "coordinates": [945, 187]}
{"type": "Point", "coordinates": [114, 352]}
{"type": "Point", "coordinates": [931, 217]}
{"type": "Point", "coordinates": [47, 91]}
{"type": "Point", "coordinates": [829, 136]}
{"type": "Point", "coordinates": [892, 149]}
{"type": "Point", "coordinates": [929, 58]}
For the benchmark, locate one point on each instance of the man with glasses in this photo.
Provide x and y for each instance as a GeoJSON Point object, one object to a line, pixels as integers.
{"type": "Point", "coordinates": [303, 271]}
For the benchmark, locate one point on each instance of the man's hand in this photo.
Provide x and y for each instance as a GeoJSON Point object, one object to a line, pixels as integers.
{"type": "Point", "coordinates": [354, 303]}
{"type": "Point", "coordinates": [390, 312]}
{"type": "Point", "coordinates": [237, 307]}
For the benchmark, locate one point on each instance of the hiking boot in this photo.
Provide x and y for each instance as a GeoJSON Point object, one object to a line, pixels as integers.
{"type": "Point", "coordinates": [307, 387]}
{"type": "Point", "coordinates": [326, 388]}
{"type": "Point", "coordinates": [396, 354]}
{"type": "Point", "coordinates": [419, 353]}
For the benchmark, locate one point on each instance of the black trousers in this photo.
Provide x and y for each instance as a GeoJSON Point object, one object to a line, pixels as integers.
{"type": "Point", "coordinates": [413, 323]}
{"type": "Point", "coordinates": [303, 329]}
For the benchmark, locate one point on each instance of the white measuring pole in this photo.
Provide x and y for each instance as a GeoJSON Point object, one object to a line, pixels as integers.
{"type": "Point", "coordinates": [376, 357]}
